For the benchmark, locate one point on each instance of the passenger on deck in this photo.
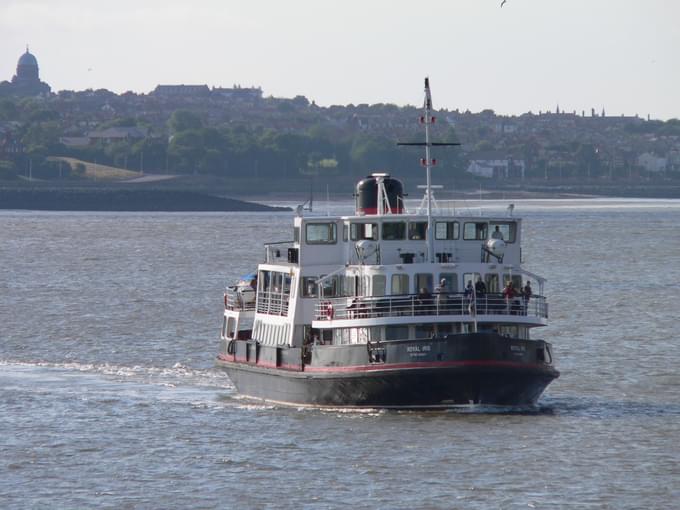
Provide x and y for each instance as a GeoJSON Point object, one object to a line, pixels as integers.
{"type": "Point", "coordinates": [440, 290]}
{"type": "Point", "coordinates": [424, 300]}
{"type": "Point", "coordinates": [526, 294]}
{"type": "Point", "coordinates": [480, 294]}
{"type": "Point", "coordinates": [509, 294]}
{"type": "Point", "coordinates": [470, 298]}
{"type": "Point", "coordinates": [469, 290]}
{"type": "Point", "coordinates": [497, 234]}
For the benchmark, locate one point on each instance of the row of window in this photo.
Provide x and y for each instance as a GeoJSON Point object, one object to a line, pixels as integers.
{"type": "Point", "coordinates": [418, 331]}
{"type": "Point", "coordinates": [274, 281]}
{"type": "Point", "coordinates": [326, 232]}
{"type": "Point", "coordinates": [400, 283]}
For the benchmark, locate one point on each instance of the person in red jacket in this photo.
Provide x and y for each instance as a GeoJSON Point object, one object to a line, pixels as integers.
{"type": "Point", "coordinates": [509, 294]}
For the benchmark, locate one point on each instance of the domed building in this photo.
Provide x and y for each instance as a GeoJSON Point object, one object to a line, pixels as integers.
{"type": "Point", "coordinates": [26, 82]}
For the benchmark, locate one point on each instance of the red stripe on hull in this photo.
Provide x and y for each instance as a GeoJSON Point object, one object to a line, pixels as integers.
{"type": "Point", "coordinates": [427, 364]}
{"type": "Point", "coordinates": [392, 366]}
{"type": "Point", "coordinates": [232, 359]}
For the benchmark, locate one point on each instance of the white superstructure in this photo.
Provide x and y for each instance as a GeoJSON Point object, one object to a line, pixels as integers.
{"type": "Point", "coordinates": [384, 274]}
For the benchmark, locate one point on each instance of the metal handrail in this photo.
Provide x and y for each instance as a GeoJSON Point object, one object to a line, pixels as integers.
{"type": "Point", "coordinates": [273, 303]}
{"type": "Point", "coordinates": [407, 305]}
{"type": "Point", "coordinates": [234, 300]}
{"type": "Point", "coordinates": [272, 251]}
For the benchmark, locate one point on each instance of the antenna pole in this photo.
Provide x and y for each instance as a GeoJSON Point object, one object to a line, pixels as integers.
{"type": "Point", "coordinates": [428, 163]}
{"type": "Point", "coordinates": [428, 169]}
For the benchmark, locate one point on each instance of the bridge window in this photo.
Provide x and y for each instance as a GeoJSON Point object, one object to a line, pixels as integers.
{"type": "Point", "coordinates": [361, 231]}
{"type": "Point", "coordinates": [446, 230]}
{"type": "Point", "coordinates": [393, 231]}
{"type": "Point", "coordinates": [329, 287]}
{"type": "Point", "coordinates": [321, 233]}
{"type": "Point", "coordinates": [470, 277]}
{"type": "Point", "coordinates": [492, 283]}
{"type": "Point", "coordinates": [351, 285]}
{"type": "Point", "coordinates": [475, 231]}
{"type": "Point", "coordinates": [379, 282]}
{"type": "Point", "coordinates": [399, 284]}
{"type": "Point", "coordinates": [424, 331]}
{"type": "Point", "coordinates": [309, 286]}
{"type": "Point", "coordinates": [516, 280]}
{"type": "Point", "coordinates": [445, 329]}
{"type": "Point", "coordinates": [396, 333]}
{"type": "Point", "coordinates": [423, 281]}
{"type": "Point", "coordinates": [451, 284]}
{"type": "Point", "coordinates": [507, 229]}
{"type": "Point", "coordinates": [277, 282]}
{"type": "Point", "coordinates": [417, 230]}
{"type": "Point", "coordinates": [263, 281]}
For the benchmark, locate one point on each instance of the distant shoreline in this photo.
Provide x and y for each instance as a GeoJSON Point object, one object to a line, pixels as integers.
{"type": "Point", "coordinates": [547, 193]}
{"type": "Point", "coordinates": [83, 199]}
{"type": "Point", "coordinates": [209, 196]}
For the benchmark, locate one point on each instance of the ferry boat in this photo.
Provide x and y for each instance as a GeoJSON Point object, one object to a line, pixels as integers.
{"type": "Point", "coordinates": [390, 309]}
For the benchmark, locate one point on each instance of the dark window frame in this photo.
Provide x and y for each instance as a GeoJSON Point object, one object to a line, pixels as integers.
{"type": "Point", "coordinates": [480, 235]}
{"type": "Point", "coordinates": [418, 226]}
{"type": "Point", "coordinates": [394, 223]}
{"type": "Point", "coordinates": [452, 230]}
{"type": "Point", "coordinates": [333, 231]}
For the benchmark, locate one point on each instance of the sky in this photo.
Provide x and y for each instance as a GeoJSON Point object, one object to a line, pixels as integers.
{"type": "Point", "coordinates": [529, 55]}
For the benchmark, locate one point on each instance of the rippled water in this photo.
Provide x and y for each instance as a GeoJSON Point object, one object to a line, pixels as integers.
{"type": "Point", "coordinates": [108, 396]}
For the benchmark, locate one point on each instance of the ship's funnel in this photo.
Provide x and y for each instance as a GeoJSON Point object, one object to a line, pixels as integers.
{"type": "Point", "coordinates": [369, 195]}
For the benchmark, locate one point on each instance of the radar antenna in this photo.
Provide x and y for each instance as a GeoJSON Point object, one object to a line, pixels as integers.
{"type": "Point", "coordinates": [428, 163]}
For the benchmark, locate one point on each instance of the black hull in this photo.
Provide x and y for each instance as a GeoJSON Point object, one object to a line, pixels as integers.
{"type": "Point", "coordinates": [476, 369]}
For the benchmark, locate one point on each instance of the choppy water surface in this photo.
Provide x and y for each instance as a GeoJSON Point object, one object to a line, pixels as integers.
{"type": "Point", "coordinates": [108, 397]}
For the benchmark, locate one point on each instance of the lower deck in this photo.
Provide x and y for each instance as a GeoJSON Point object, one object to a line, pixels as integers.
{"type": "Point", "coordinates": [478, 368]}
{"type": "Point", "coordinates": [482, 347]}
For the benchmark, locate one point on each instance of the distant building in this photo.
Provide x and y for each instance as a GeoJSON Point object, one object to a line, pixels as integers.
{"type": "Point", "coordinates": [495, 166]}
{"type": "Point", "coordinates": [74, 141]}
{"type": "Point", "coordinates": [652, 163]}
{"type": "Point", "coordinates": [26, 82]}
{"type": "Point", "coordinates": [504, 127]}
{"type": "Point", "coordinates": [119, 134]}
{"type": "Point", "coordinates": [203, 91]}
{"type": "Point", "coordinates": [177, 91]}
{"type": "Point", "coordinates": [239, 93]}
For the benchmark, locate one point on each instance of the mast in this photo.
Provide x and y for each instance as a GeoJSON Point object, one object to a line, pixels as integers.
{"type": "Point", "coordinates": [428, 119]}
{"type": "Point", "coordinates": [428, 163]}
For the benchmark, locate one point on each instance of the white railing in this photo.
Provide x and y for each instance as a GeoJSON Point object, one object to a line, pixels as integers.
{"type": "Point", "coordinates": [235, 300]}
{"type": "Point", "coordinates": [273, 303]}
{"type": "Point", "coordinates": [277, 252]}
{"type": "Point", "coordinates": [433, 305]}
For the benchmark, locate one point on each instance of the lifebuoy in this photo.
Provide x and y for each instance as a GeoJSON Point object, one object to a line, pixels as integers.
{"type": "Point", "coordinates": [329, 311]}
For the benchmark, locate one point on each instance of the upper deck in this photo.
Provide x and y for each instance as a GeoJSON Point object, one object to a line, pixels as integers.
{"type": "Point", "coordinates": [398, 239]}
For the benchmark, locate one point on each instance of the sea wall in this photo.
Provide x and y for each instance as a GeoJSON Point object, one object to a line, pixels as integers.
{"type": "Point", "coordinates": [84, 199]}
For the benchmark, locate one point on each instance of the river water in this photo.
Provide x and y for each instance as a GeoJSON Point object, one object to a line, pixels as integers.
{"type": "Point", "coordinates": [109, 399]}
